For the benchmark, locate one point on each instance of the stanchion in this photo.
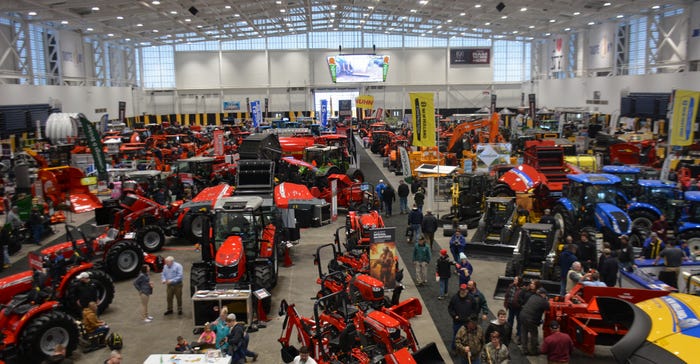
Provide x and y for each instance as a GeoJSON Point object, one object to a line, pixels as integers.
{"type": "Point", "coordinates": [287, 259]}
{"type": "Point", "coordinates": [262, 316]}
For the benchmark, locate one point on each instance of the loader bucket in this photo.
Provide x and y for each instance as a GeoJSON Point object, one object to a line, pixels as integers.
{"type": "Point", "coordinates": [255, 176]}
{"type": "Point", "coordinates": [408, 308]}
{"type": "Point", "coordinates": [428, 354]}
{"type": "Point", "coordinates": [502, 287]}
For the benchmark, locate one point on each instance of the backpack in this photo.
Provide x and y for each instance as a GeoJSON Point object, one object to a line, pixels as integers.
{"type": "Point", "coordinates": [114, 341]}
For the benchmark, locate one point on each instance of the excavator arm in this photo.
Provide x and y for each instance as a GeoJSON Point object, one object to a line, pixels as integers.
{"type": "Point", "coordinates": [39, 159]}
{"type": "Point", "coordinates": [463, 128]}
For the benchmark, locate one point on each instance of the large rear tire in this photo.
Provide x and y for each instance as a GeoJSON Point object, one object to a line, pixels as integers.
{"type": "Point", "coordinates": [124, 260]}
{"type": "Point", "coordinates": [643, 219]}
{"type": "Point", "coordinates": [151, 238]}
{"type": "Point", "coordinates": [192, 226]}
{"type": "Point", "coordinates": [40, 337]}
{"type": "Point", "coordinates": [692, 237]}
{"type": "Point", "coordinates": [199, 280]}
{"type": "Point", "coordinates": [563, 223]}
{"type": "Point", "coordinates": [105, 293]}
{"type": "Point", "coordinates": [264, 276]}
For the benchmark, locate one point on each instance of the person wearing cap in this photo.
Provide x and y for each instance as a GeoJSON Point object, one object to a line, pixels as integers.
{"type": "Point", "coordinates": [461, 308]}
{"type": "Point", "coordinates": [444, 272]}
{"type": "Point", "coordinates": [608, 267]}
{"type": "Point", "coordinates": [403, 191]}
{"type": "Point", "coordinates": [379, 190]}
{"type": "Point", "coordinates": [85, 290]}
{"type": "Point", "coordinates": [421, 259]}
{"type": "Point", "coordinates": [558, 346]}
{"type": "Point", "coordinates": [530, 318]}
{"type": "Point", "coordinates": [464, 269]}
{"type": "Point", "coordinates": [626, 253]}
{"type": "Point", "coordinates": [429, 226]}
{"type": "Point", "coordinates": [547, 217]}
{"type": "Point", "coordinates": [495, 351]}
{"type": "Point", "coordinates": [415, 220]}
{"type": "Point", "coordinates": [469, 342]}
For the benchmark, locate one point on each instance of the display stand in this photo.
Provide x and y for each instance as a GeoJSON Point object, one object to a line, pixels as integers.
{"type": "Point", "coordinates": [261, 294]}
{"type": "Point", "coordinates": [206, 305]}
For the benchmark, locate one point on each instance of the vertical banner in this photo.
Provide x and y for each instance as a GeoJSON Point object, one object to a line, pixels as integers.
{"type": "Point", "coordinates": [122, 111]}
{"type": "Point", "coordinates": [533, 106]}
{"type": "Point", "coordinates": [344, 110]}
{"type": "Point", "coordinates": [104, 121]}
{"type": "Point", "coordinates": [334, 199]}
{"type": "Point", "coordinates": [95, 144]}
{"type": "Point", "coordinates": [247, 104]}
{"type": "Point", "coordinates": [382, 250]}
{"type": "Point", "coordinates": [324, 113]}
{"type": "Point", "coordinates": [267, 106]}
{"type": "Point", "coordinates": [256, 113]}
{"type": "Point", "coordinates": [685, 109]}
{"type": "Point", "coordinates": [423, 110]}
{"type": "Point", "coordinates": [218, 142]}
{"type": "Point", "coordinates": [493, 103]}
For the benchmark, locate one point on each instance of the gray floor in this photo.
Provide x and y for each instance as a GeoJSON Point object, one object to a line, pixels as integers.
{"type": "Point", "coordinates": [296, 285]}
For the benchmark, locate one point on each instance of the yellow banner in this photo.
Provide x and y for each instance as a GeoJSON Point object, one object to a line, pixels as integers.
{"type": "Point", "coordinates": [685, 109]}
{"type": "Point", "coordinates": [423, 119]}
{"type": "Point", "coordinates": [364, 102]}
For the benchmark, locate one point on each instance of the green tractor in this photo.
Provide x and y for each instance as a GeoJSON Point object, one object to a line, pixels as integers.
{"type": "Point", "coordinates": [330, 160]}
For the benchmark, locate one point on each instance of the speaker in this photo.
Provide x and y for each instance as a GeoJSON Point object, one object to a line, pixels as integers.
{"type": "Point", "coordinates": [500, 7]}
{"type": "Point", "coordinates": [194, 10]}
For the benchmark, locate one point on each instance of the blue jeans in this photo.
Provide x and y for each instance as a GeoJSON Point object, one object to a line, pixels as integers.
{"type": "Point", "coordinates": [416, 232]}
{"type": "Point", "coordinates": [403, 204]}
{"type": "Point", "coordinates": [512, 316]}
{"type": "Point", "coordinates": [37, 232]}
{"type": "Point", "coordinates": [5, 255]}
{"type": "Point", "coordinates": [455, 250]}
{"type": "Point", "coordinates": [443, 286]}
{"type": "Point", "coordinates": [455, 327]}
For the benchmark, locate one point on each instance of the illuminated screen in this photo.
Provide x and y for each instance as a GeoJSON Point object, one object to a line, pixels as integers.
{"type": "Point", "coordinates": [358, 68]}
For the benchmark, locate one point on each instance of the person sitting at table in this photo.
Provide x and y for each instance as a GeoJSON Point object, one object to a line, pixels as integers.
{"type": "Point", "coordinates": [207, 339]}
{"type": "Point", "coordinates": [183, 346]}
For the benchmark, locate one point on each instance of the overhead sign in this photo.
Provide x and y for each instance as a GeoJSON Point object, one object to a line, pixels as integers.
{"type": "Point", "coordinates": [423, 119]}
{"type": "Point", "coordinates": [685, 109]}
{"type": "Point", "coordinates": [470, 56]}
{"type": "Point", "coordinates": [364, 102]}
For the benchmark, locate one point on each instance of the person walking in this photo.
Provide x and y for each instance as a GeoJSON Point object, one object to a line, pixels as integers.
{"type": "Point", "coordinates": [608, 268]}
{"type": "Point", "coordinates": [464, 269]}
{"type": "Point", "coordinates": [460, 308]}
{"type": "Point", "coordinates": [421, 259]}
{"type": "Point", "coordinates": [172, 278]}
{"type": "Point", "coordinates": [234, 340]}
{"type": "Point", "coordinates": [530, 318]}
{"type": "Point", "coordinates": [495, 351]}
{"type": "Point", "coordinates": [389, 196]}
{"type": "Point", "coordinates": [479, 300]}
{"type": "Point", "coordinates": [500, 325]}
{"type": "Point", "coordinates": [379, 190]}
{"type": "Point", "coordinates": [415, 220]}
{"type": "Point", "coordinates": [566, 259]}
{"type": "Point", "coordinates": [144, 286]}
{"type": "Point", "coordinates": [469, 342]}
{"type": "Point", "coordinates": [512, 303]}
{"type": "Point", "coordinates": [443, 271]}
{"type": "Point", "coordinates": [457, 244]}
{"type": "Point", "coordinates": [419, 198]}
{"type": "Point", "coordinates": [403, 192]}
{"type": "Point", "coordinates": [429, 226]}
{"type": "Point", "coordinates": [558, 346]}
{"type": "Point", "coordinates": [36, 222]}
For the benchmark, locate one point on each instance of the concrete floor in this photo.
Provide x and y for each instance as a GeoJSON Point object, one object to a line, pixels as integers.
{"type": "Point", "coordinates": [296, 285]}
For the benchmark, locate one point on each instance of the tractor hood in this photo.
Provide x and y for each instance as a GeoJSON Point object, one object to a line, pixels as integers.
{"type": "Point", "coordinates": [521, 178]}
{"type": "Point", "coordinates": [286, 192]}
{"type": "Point", "coordinates": [299, 163]}
{"type": "Point", "coordinates": [230, 253]}
{"type": "Point", "coordinates": [382, 322]}
{"type": "Point", "coordinates": [611, 216]}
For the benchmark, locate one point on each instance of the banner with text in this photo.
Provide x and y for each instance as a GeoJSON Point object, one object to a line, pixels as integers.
{"type": "Point", "coordinates": [256, 113]}
{"type": "Point", "coordinates": [324, 113]}
{"type": "Point", "coordinates": [685, 109]}
{"type": "Point", "coordinates": [423, 119]}
{"type": "Point", "coordinates": [478, 56]}
{"type": "Point", "coordinates": [365, 102]}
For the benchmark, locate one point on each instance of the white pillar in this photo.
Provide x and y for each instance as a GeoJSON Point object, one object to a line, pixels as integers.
{"type": "Point", "coordinates": [428, 205]}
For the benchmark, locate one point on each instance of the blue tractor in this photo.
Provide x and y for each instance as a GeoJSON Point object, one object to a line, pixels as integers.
{"type": "Point", "coordinates": [687, 227]}
{"type": "Point", "coordinates": [629, 177]}
{"type": "Point", "coordinates": [654, 198]}
{"type": "Point", "coordinates": [590, 205]}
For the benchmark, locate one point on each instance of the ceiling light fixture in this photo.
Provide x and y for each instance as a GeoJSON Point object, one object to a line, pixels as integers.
{"type": "Point", "coordinates": [423, 2]}
{"type": "Point", "coordinates": [591, 23]}
{"type": "Point", "coordinates": [547, 34]}
{"type": "Point", "coordinates": [523, 9]}
{"type": "Point", "coordinates": [32, 13]}
{"type": "Point", "coordinates": [620, 16]}
{"type": "Point", "coordinates": [515, 32]}
{"type": "Point", "coordinates": [607, 4]}
{"type": "Point", "coordinates": [155, 30]}
{"type": "Point", "coordinates": [504, 17]}
{"type": "Point", "coordinates": [227, 7]}
{"type": "Point", "coordinates": [477, 6]}
{"type": "Point", "coordinates": [487, 23]}
{"type": "Point", "coordinates": [462, 14]}
{"type": "Point", "coordinates": [531, 27]}
{"type": "Point", "coordinates": [449, 20]}
{"type": "Point", "coordinates": [278, 2]}
{"type": "Point", "coordinates": [370, 7]}
{"type": "Point", "coordinates": [577, 13]}
{"type": "Point", "coordinates": [110, 34]}
{"type": "Point", "coordinates": [140, 25]}
{"type": "Point", "coordinates": [439, 27]}
{"type": "Point", "coordinates": [127, 39]}
{"type": "Point", "coordinates": [199, 26]}
{"type": "Point", "coordinates": [237, 15]}
{"type": "Point", "coordinates": [89, 29]}
{"type": "Point", "coordinates": [655, 7]}
{"type": "Point", "coordinates": [120, 17]}
{"type": "Point", "coordinates": [283, 11]}
{"type": "Point", "coordinates": [414, 10]}
{"type": "Point", "coordinates": [567, 29]}
{"type": "Point", "coordinates": [155, 2]}
{"type": "Point", "coordinates": [173, 12]}
{"type": "Point", "coordinates": [64, 22]}
{"type": "Point", "coordinates": [95, 8]}
{"type": "Point", "coordinates": [552, 20]}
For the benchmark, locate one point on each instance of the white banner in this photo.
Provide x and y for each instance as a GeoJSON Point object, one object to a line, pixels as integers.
{"type": "Point", "coordinates": [334, 199]}
{"type": "Point", "coordinates": [600, 46]}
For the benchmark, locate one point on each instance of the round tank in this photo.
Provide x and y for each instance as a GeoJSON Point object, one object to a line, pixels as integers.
{"type": "Point", "coordinates": [62, 128]}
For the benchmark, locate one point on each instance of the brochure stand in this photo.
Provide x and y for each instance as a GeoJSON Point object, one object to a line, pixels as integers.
{"type": "Point", "coordinates": [261, 294]}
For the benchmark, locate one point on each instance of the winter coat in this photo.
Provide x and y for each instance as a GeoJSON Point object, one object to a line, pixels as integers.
{"type": "Point", "coordinates": [403, 190]}
{"type": "Point", "coordinates": [429, 224]}
{"type": "Point", "coordinates": [491, 355]}
{"type": "Point", "coordinates": [415, 217]}
{"type": "Point", "coordinates": [388, 195]}
{"type": "Point", "coordinates": [474, 339]}
{"type": "Point", "coordinates": [512, 299]}
{"type": "Point", "coordinates": [460, 308]}
{"type": "Point", "coordinates": [419, 198]}
{"type": "Point", "coordinates": [421, 253]}
{"type": "Point", "coordinates": [505, 330]}
{"type": "Point", "coordinates": [533, 309]}
{"type": "Point", "coordinates": [566, 258]}
{"type": "Point", "coordinates": [444, 267]}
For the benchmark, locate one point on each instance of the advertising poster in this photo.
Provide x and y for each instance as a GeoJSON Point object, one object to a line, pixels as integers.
{"type": "Point", "coordinates": [218, 142]}
{"type": "Point", "coordinates": [600, 46]}
{"type": "Point", "coordinates": [232, 105]}
{"type": "Point", "coordinates": [365, 102]}
{"type": "Point", "coordinates": [382, 250]}
{"type": "Point", "coordinates": [256, 113]}
{"type": "Point", "coordinates": [122, 111]}
{"type": "Point", "coordinates": [557, 55]}
{"type": "Point", "coordinates": [324, 113]}
{"type": "Point", "coordinates": [685, 109]}
{"type": "Point", "coordinates": [488, 155]}
{"type": "Point", "coordinates": [344, 109]}
{"type": "Point", "coordinates": [480, 56]}
{"type": "Point", "coordinates": [423, 119]}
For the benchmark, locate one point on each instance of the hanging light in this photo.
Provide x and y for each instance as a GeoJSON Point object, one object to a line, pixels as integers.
{"type": "Point", "coordinates": [506, 111]}
{"type": "Point", "coordinates": [543, 110]}
{"type": "Point", "coordinates": [484, 110]}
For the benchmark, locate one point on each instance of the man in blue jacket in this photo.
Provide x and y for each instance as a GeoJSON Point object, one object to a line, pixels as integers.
{"type": "Point", "coordinates": [566, 258]}
{"type": "Point", "coordinates": [379, 189]}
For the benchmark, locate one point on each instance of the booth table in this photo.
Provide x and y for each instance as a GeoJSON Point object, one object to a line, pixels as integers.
{"type": "Point", "coordinates": [206, 305]}
{"type": "Point", "coordinates": [184, 359]}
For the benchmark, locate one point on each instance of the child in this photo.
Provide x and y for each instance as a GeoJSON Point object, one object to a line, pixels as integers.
{"type": "Point", "coordinates": [207, 338]}
{"type": "Point", "coordinates": [182, 346]}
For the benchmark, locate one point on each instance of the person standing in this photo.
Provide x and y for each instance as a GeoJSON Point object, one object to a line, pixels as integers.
{"type": "Point", "coordinates": [443, 271]}
{"type": "Point", "coordinates": [403, 192]}
{"type": "Point", "coordinates": [608, 268]}
{"type": "Point", "coordinates": [429, 227]}
{"type": "Point", "coordinates": [457, 244]}
{"type": "Point", "coordinates": [512, 303]}
{"type": "Point", "coordinates": [144, 286]}
{"type": "Point", "coordinates": [379, 190]}
{"type": "Point", "coordinates": [419, 198]}
{"type": "Point", "coordinates": [574, 275]}
{"type": "Point", "coordinates": [85, 291]}
{"type": "Point", "coordinates": [673, 259]}
{"type": "Point", "coordinates": [415, 220]}
{"type": "Point", "coordinates": [460, 308]}
{"type": "Point", "coordinates": [495, 351]}
{"type": "Point", "coordinates": [530, 318]}
{"type": "Point", "coordinates": [13, 218]}
{"type": "Point", "coordinates": [421, 259]}
{"type": "Point", "coordinates": [547, 218]}
{"type": "Point", "coordinates": [566, 259]}
{"type": "Point", "coordinates": [234, 339]}
{"type": "Point", "coordinates": [464, 269]}
{"type": "Point", "coordinates": [36, 222]}
{"type": "Point", "coordinates": [5, 243]}
{"type": "Point", "coordinates": [558, 346]}
{"type": "Point", "coordinates": [653, 246]}
{"type": "Point", "coordinates": [172, 278]}
{"type": "Point", "coordinates": [221, 328]}
{"type": "Point", "coordinates": [389, 197]}
{"type": "Point", "coordinates": [480, 301]}
{"type": "Point", "coordinates": [303, 357]}
{"type": "Point", "coordinates": [660, 227]}
{"type": "Point", "coordinates": [500, 325]}
{"type": "Point", "coordinates": [586, 252]}
{"type": "Point", "coordinates": [469, 342]}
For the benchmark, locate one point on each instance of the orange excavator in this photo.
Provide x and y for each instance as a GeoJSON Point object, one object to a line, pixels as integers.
{"type": "Point", "coordinates": [465, 137]}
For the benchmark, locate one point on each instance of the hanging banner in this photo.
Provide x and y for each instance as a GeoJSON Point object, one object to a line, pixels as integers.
{"type": "Point", "coordinates": [122, 112]}
{"type": "Point", "coordinates": [218, 142]}
{"type": "Point", "coordinates": [685, 109]}
{"type": "Point", "coordinates": [256, 113]}
{"type": "Point", "coordinates": [493, 103]}
{"type": "Point", "coordinates": [533, 106]}
{"type": "Point", "coordinates": [95, 144]}
{"type": "Point", "coordinates": [365, 102]}
{"type": "Point", "coordinates": [423, 119]}
{"type": "Point", "coordinates": [104, 121]}
{"type": "Point", "coordinates": [344, 109]}
{"type": "Point", "coordinates": [324, 113]}
{"type": "Point", "coordinates": [334, 199]}
{"type": "Point", "coordinates": [382, 250]}
{"type": "Point", "coordinates": [405, 162]}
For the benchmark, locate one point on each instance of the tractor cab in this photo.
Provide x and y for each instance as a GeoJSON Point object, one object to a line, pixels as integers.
{"type": "Point", "coordinates": [320, 156]}
{"type": "Point", "coordinates": [496, 227]}
{"type": "Point", "coordinates": [653, 199]}
{"type": "Point", "coordinates": [629, 178]}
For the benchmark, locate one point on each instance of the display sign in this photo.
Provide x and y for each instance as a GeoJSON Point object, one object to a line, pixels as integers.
{"type": "Point", "coordinates": [491, 154]}
{"type": "Point", "coordinates": [232, 105]}
{"type": "Point", "coordinates": [405, 162]}
{"type": "Point", "coordinates": [122, 112]}
{"type": "Point", "coordinates": [470, 56]}
{"type": "Point", "coordinates": [95, 144]}
{"type": "Point", "coordinates": [358, 68]}
{"type": "Point", "coordinates": [218, 142]}
{"type": "Point", "coordinates": [423, 119]}
{"type": "Point", "coordinates": [557, 57]}
{"type": "Point", "coordinates": [685, 109]}
{"type": "Point", "coordinates": [344, 109]}
{"type": "Point", "coordinates": [365, 102]}
{"type": "Point", "coordinates": [334, 199]}
{"type": "Point", "coordinates": [256, 113]}
{"type": "Point", "coordinates": [382, 250]}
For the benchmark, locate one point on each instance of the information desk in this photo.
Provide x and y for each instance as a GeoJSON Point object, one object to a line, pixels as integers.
{"type": "Point", "coordinates": [184, 359]}
{"type": "Point", "coordinates": [206, 305]}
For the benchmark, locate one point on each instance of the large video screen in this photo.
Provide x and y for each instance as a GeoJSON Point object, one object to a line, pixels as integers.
{"type": "Point", "coordinates": [358, 68]}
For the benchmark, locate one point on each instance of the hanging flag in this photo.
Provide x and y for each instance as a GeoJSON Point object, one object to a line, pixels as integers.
{"type": "Point", "coordinates": [685, 109]}
{"type": "Point", "coordinates": [95, 144]}
{"type": "Point", "coordinates": [256, 113]}
{"type": "Point", "coordinates": [423, 119]}
{"type": "Point", "coordinates": [324, 113]}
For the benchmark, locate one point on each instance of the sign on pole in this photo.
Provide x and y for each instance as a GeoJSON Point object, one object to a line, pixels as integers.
{"type": "Point", "coordinates": [334, 199]}
{"type": "Point", "coordinates": [324, 113]}
{"type": "Point", "coordinates": [685, 109]}
{"type": "Point", "coordinates": [256, 113]}
{"type": "Point", "coordinates": [382, 250]}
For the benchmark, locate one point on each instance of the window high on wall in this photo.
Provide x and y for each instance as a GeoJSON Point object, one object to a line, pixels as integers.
{"type": "Point", "coordinates": [511, 61]}
{"type": "Point", "coordinates": [158, 67]}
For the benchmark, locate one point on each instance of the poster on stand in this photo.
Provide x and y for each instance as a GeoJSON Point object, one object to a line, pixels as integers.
{"type": "Point", "coordinates": [382, 250]}
{"type": "Point", "coordinates": [488, 155]}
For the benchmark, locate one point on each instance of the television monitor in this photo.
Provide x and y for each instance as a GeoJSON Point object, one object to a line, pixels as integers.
{"type": "Point", "coordinates": [358, 68]}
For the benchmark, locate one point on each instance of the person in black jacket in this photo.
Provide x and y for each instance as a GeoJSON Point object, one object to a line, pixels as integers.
{"type": "Point", "coordinates": [444, 272]}
{"type": "Point", "coordinates": [461, 307]}
{"type": "Point", "coordinates": [403, 192]}
{"type": "Point", "coordinates": [389, 197]}
{"type": "Point", "coordinates": [429, 226]}
{"type": "Point", "coordinates": [85, 291]}
{"type": "Point", "coordinates": [609, 267]}
{"type": "Point", "coordinates": [415, 220]}
{"type": "Point", "coordinates": [235, 339]}
{"type": "Point", "coordinates": [531, 318]}
{"type": "Point", "coordinates": [625, 255]}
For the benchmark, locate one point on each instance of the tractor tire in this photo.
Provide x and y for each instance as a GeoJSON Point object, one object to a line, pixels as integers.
{"type": "Point", "coordinates": [692, 237]}
{"type": "Point", "coordinates": [124, 260]}
{"type": "Point", "coordinates": [40, 337]}
{"type": "Point", "coordinates": [192, 225]}
{"type": "Point", "coordinates": [263, 276]}
{"type": "Point", "coordinates": [151, 238]}
{"type": "Point", "coordinates": [105, 293]}
{"type": "Point", "coordinates": [376, 148]}
{"type": "Point", "coordinates": [355, 174]}
{"type": "Point", "coordinates": [563, 223]}
{"type": "Point", "coordinates": [199, 280]}
{"type": "Point", "coordinates": [502, 190]}
{"type": "Point", "coordinates": [643, 219]}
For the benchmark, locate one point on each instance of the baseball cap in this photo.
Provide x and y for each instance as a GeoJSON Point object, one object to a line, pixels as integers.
{"type": "Point", "coordinates": [541, 290]}
{"type": "Point", "coordinates": [554, 324]}
{"type": "Point", "coordinates": [443, 252]}
{"type": "Point", "coordinates": [463, 286]}
{"type": "Point", "coordinates": [381, 181]}
{"type": "Point", "coordinates": [83, 275]}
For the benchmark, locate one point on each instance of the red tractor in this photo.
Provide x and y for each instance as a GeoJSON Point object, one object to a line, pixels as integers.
{"type": "Point", "coordinates": [353, 195]}
{"type": "Point", "coordinates": [190, 220]}
{"type": "Point", "coordinates": [358, 226]}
